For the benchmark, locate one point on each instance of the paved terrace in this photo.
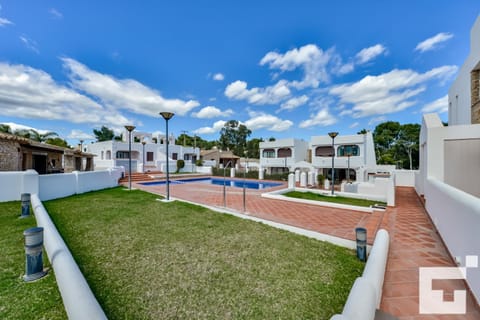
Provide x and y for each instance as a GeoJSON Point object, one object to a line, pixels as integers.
{"type": "Point", "coordinates": [414, 241]}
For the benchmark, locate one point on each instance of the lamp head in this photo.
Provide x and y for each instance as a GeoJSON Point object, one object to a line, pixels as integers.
{"type": "Point", "coordinates": [167, 115]}
{"type": "Point", "coordinates": [333, 134]}
{"type": "Point", "coordinates": [130, 128]}
{"type": "Point", "coordinates": [144, 142]}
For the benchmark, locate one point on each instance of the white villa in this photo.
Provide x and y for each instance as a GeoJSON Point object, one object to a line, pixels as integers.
{"type": "Point", "coordinates": [148, 153]}
{"type": "Point", "coordinates": [449, 175]}
{"type": "Point", "coordinates": [354, 152]}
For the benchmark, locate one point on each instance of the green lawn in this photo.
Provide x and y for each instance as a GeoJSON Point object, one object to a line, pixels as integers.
{"type": "Point", "coordinates": [335, 199]}
{"type": "Point", "coordinates": [19, 300]}
{"type": "Point", "coordinates": [146, 259]}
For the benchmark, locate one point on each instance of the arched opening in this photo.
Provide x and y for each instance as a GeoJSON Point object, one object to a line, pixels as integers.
{"type": "Point", "coordinates": [324, 151]}
{"type": "Point", "coordinates": [284, 152]}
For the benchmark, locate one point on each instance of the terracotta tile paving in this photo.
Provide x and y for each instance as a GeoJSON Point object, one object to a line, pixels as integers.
{"type": "Point", "coordinates": [414, 241]}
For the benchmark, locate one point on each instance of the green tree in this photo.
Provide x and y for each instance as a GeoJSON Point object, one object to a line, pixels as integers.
{"type": "Point", "coordinates": [363, 131]}
{"type": "Point", "coordinates": [104, 134]}
{"type": "Point", "coordinates": [57, 142]}
{"type": "Point", "coordinates": [397, 144]}
{"type": "Point", "coordinates": [233, 136]}
{"type": "Point", "coordinates": [253, 148]}
{"type": "Point", "coordinates": [5, 128]}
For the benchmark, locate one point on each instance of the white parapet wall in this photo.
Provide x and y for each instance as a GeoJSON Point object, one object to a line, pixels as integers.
{"type": "Point", "coordinates": [456, 215]}
{"type": "Point", "coordinates": [405, 178]}
{"type": "Point", "coordinates": [366, 293]}
{"type": "Point", "coordinates": [54, 186]}
{"type": "Point", "coordinates": [78, 299]}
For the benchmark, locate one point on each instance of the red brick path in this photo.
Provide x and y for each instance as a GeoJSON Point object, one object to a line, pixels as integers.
{"type": "Point", "coordinates": [414, 241]}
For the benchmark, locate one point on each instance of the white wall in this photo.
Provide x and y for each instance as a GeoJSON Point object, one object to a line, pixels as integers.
{"type": "Point", "coordinates": [456, 215]}
{"type": "Point", "coordinates": [405, 178]}
{"type": "Point", "coordinates": [459, 98]}
{"type": "Point", "coordinates": [55, 185]}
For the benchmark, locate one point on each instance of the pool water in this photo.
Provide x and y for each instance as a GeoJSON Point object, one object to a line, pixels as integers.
{"type": "Point", "coordinates": [249, 184]}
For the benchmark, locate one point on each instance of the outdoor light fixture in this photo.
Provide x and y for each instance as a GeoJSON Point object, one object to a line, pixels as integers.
{"type": "Point", "coordinates": [130, 129]}
{"type": "Point", "coordinates": [81, 145]}
{"type": "Point", "coordinates": [167, 116]}
{"type": "Point", "coordinates": [333, 135]}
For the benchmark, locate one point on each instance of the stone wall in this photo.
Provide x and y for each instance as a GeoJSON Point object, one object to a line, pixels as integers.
{"type": "Point", "coordinates": [475, 95]}
{"type": "Point", "coordinates": [10, 157]}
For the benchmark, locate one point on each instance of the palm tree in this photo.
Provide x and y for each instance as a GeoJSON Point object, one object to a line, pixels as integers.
{"type": "Point", "coordinates": [35, 135]}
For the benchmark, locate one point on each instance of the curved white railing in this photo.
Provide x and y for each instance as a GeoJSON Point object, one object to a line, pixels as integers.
{"type": "Point", "coordinates": [366, 293]}
{"type": "Point", "coordinates": [78, 299]}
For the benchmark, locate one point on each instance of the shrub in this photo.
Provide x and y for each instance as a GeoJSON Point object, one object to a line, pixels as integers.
{"type": "Point", "coordinates": [180, 165]}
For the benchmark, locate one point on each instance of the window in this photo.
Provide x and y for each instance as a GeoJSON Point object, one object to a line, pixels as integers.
{"type": "Point", "coordinates": [122, 154]}
{"type": "Point", "coordinates": [326, 151]}
{"type": "Point", "coordinates": [348, 150]}
{"type": "Point", "coordinates": [284, 152]}
{"type": "Point", "coordinates": [102, 155]}
{"type": "Point", "coordinates": [269, 153]}
{"type": "Point", "coordinates": [149, 156]}
{"type": "Point", "coordinates": [174, 156]}
{"type": "Point", "coordinates": [109, 155]}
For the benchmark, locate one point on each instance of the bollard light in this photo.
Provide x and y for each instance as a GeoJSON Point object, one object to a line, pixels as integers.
{"type": "Point", "coordinates": [25, 199]}
{"type": "Point", "coordinates": [361, 237]}
{"type": "Point", "coordinates": [33, 254]}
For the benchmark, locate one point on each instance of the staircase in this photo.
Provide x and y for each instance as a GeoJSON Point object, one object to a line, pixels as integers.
{"type": "Point", "coordinates": [138, 176]}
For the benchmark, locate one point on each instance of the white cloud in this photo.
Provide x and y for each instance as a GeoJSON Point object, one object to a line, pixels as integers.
{"type": "Point", "coordinates": [212, 112]}
{"type": "Point", "coordinates": [126, 94]}
{"type": "Point", "coordinates": [293, 103]}
{"type": "Point", "coordinates": [310, 58]}
{"type": "Point", "coordinates": [369, 53]}
{"type": "Point", "coordinates": [345, 68]}
{"type": "Point", "coordinates": [217, 126]}
{"type": "Point", "coordinates": [354, 125]}
{"type": "Point", "coordinates": [29, 43]}
{"type": "Point", "coordinates": [79, 134]}
{"type": "Point", "coordinates": [321, 118]}
{"type": "Point", "coordinates": [439, 105]}
{"type": "Point", "coordinates": [269, 95]}
{"type": "Point", "coordinates": [55, 13]}
{"type": "Point", "coordinates": [377, 120]}
{"type": "Point", "coordinates": [218, 77]}
{"type": "Point", "coordinates": [30, 93]}
{"type": "Point", "coordinates": [4, 22]}
{"type": "Point", "coordinates": [260, 120]}
{"type": "Point", "coordinates": [433, 42]}
{"type": "Point", "coordinates": [389, 92]}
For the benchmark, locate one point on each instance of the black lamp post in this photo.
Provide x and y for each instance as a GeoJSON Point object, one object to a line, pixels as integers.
{"type": "Point", "coordinates": [143, 155]}
{"type": "Point", "coordinates": [333, 135]}
{"type": "Point", "coordinates": [81, 145]}
{"type": "Point", "coordinates": [130, 129]}
{"type": "Point", "coordinates": [167, 116]}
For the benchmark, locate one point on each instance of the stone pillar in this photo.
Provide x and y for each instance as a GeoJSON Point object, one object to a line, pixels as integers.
{"type": "Point", "coordinates": [297, 175]}
{"type": "Point", "coordinates": [326, 184]}
{"type": "Point", "coordinates": [303, 180]}
{"type": "Point", "coordinates": [291, 181]}
{"type": "Point", "coordinates": [232, 173]}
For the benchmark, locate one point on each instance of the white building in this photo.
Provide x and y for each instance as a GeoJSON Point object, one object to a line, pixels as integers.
{"type": "Point", "coordinates": [464, 94]}
{"type": "Point", "coordinates": [148, 153]}
{"type": "Point", "coordinates": [282, 155]}
{"type": "Point", "coordinates": [449, 175]}
{"type": "Point", "coordinates": [356, 152]}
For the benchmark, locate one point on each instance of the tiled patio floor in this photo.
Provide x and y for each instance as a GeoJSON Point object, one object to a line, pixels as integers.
{"type": "Point", "coordinates": [414, 241]}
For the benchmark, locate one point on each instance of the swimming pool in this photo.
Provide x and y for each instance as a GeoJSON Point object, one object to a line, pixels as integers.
{"type": "Point", "coordinates": [249, 184]}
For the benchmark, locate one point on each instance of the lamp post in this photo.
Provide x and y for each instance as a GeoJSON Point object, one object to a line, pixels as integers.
{"type": "Point", "coordinates": [143, 155]}
{"type": "Point", "coordinates": [130, 129]}
{"type": "Point", "coordinates": [81, 145]}
{"type": "Point", "coordinates": [348, 172]}
{"type": "Point", "coordinates": [333, 135]}
{"type": "Point", "coordinates": [225, 183]}
{"type": "Point", "coordinates": [244, 181]}
{"type": "Point", "coordinates": [167, 116]}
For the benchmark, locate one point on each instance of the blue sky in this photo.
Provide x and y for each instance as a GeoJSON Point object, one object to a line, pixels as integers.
{"type": "Point", "coordinates": [283, 68]}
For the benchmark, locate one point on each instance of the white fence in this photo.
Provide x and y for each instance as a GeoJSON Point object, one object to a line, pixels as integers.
{"type": "Point", "coordinates": [456, 215]}
{"type": "Point", "coordinates": [53, 186]}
